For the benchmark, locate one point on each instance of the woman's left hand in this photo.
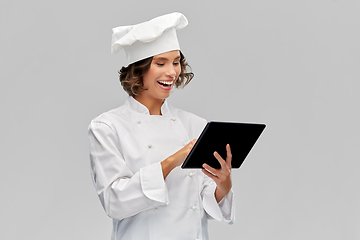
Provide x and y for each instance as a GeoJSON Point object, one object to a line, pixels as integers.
{"type": "Point", "coordinates": [222, 176]}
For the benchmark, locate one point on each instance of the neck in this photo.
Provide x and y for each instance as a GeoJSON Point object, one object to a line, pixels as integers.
{"type": "Point", "coordinates": [153, 105]}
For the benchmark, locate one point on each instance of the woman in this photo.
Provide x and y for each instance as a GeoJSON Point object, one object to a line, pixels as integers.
{"type": "Point", "coordinates": [136, 149]}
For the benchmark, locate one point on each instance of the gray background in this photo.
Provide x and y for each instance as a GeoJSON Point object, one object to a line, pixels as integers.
{"type": "Point", "coordinates": [293, 65]}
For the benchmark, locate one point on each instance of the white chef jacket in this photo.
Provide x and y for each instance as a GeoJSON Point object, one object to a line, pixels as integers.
{"type": "Point", "coordinates": [127, 145]}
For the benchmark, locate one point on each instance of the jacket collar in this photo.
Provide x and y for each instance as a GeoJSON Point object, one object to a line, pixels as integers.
{"type": "Point", "coordinates": [142, 109]}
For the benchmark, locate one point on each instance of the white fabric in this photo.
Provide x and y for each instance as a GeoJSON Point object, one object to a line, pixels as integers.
{"type": "Point", "coordinates": [149, 38]}
{"type": "Point", "coordinates": [127, 145]}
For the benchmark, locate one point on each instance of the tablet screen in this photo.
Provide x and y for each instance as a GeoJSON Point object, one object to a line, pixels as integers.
{"type": "Point", "coordinates": [215, 136]}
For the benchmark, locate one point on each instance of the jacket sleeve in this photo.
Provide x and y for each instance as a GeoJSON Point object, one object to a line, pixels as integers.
{"type": "Point", "coordinates": [224, 210]}
{"type": "Point", "coordinates": [122, 193]}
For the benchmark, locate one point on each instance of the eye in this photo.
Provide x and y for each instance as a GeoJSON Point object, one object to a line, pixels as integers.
{"type": "Point", "coordinates": [160, 64]}
{"type": "Point", "coordinates": [176, 63]}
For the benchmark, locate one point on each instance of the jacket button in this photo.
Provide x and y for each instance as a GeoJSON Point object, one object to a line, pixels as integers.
{"type": "Point", "coordinates": [173, 119]}
{"type": "Point", "coordinates": [193, 207]}
{"type": "Point", "coordinates": [149, 146]}
{"type": "Point", "coordinates": [138, 121]}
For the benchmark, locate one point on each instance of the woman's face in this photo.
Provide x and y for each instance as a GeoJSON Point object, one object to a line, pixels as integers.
{"type": "Point", "coordinates": [159, 80]}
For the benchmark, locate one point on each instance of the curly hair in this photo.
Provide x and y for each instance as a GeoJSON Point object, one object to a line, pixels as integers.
{"type": "Point", "coordinates": [131, 77]}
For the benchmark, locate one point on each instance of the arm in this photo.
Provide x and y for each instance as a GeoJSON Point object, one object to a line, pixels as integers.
{"type": "Point", "coordinates": [222, 176]}
{"type": "Point", "coordinates": [122, 192]}
{"type": "Point", "coordinates": [217, 194]}
{"type": "Point", "coordinates": [176, 159]}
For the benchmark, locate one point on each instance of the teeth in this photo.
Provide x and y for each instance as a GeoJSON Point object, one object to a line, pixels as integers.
{"type": "Point", "coordinates": [166, 82]}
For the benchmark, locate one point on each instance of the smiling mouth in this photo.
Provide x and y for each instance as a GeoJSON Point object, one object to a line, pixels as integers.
{"type": "Point", "coordinates": [166, 83]}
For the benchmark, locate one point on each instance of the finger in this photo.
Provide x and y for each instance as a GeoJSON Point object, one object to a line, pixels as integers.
{"type": "Point", "coordinates": [228, 156]}
{"type": "Point", "coordinates": [192, 143]}
{"type": "Point", "coordinates": [220, 160]}
{"type": "Point", "coordinates": [189, 146]}
{"type": "Point", "coordinates": [210, 175]}
{"type": "Point", "coordinates": [210, 169]}
{"type": "Point", "coordinates": [224, 165]}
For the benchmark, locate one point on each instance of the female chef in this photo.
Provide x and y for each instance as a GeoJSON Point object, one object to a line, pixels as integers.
{"type": "Point", "coordinates": [136, 149]}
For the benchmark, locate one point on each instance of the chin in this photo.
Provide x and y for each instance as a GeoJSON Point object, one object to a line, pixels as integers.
{"type": "Point", "coordinates": [164, 96]}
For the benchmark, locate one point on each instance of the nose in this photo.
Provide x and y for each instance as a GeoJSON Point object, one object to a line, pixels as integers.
{"type": "Point", "coordinates": [170, 71]}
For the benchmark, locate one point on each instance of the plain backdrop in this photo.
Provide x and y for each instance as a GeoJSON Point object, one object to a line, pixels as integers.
{"type": "Point", "coordinates": [293, 65]}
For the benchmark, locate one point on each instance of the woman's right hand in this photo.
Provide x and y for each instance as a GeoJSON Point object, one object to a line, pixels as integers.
{"type": "Point", "coordinates": [177, 158]}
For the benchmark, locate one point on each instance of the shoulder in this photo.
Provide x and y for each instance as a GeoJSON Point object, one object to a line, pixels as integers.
{"type": "Point", "coordinates": [111, 118]}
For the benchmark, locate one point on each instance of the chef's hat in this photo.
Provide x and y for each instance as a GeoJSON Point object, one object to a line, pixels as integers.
{"type": "Point", "coordinates": [149, 38]}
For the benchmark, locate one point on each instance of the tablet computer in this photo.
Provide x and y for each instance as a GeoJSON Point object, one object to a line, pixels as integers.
{"type": "Point", "coordinates": [215, 136]}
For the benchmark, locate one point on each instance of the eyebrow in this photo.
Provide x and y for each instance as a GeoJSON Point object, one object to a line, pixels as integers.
{"type": "Point", "coordinates": [164, 58]}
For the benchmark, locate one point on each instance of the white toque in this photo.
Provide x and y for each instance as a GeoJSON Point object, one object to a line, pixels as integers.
{"type": "Point", "coordinates": [149, 38]}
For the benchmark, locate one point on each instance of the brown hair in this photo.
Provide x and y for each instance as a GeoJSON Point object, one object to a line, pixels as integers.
{"type": "Point", "coordinates": [131, 77]}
